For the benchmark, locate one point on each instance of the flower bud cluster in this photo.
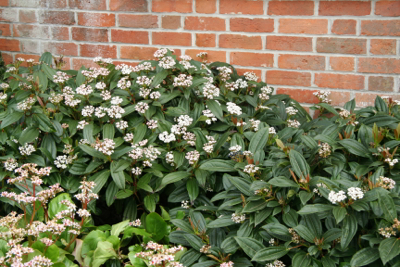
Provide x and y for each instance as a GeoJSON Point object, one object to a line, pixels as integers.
{"type": "Point", "coordinates": [233, 109]}
{"type": "Point", "coordinates": [209, 146]}
{"type": "Point", "coordinates": [159, 255]}
{"type": "Point", "coordinates": [386, 183]}
{"type": "Point", "coordinates": [238, 218]}
{"type": "Point", "coordinates": [276, 263]}
{"type": "Point", "coordinates": [323, 97]}
{"type": "Point", "coordinates": [324, 150]}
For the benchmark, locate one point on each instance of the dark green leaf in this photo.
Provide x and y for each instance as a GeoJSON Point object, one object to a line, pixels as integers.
{"type": "Point", "coordinates": [270, 254]}
{"type": "Point", "coordinates": [364, 257]}
{"type": "Point", "coordinates": [388, 249]}
{"type": "Point", "coordinates": [249, 245]}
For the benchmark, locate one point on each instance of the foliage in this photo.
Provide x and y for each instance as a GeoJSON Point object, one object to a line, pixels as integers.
{"type": "Point", "coordinates": [208, 160]}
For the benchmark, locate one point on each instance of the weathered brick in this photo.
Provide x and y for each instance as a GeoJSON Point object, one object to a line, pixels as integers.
{"type": "Point", "coordinates": [387, 8]}
{"type": "Point", "coordinates": [251, 7]}
{"type": "Point", "coordinates": [3, 2]}
{"type": "Point", "coordinates": [342, 63]}
{"type": "Point", "coordinates": [300, 95]}
{"type": "Point", "coordinates": [7, 57]}
{"type": "Point", "coordinates": [340, 8]}
{"type": "Point", "coordinates": [96, 19]}
{"type": "Point", "coordinates": [212, 56]}
{"type": "Point", "coordinates": [67, 49]}
{"type": "Point", "coordinates": [379, 83]}
{"type": "Point", "coordinates": [341, 81]}
{"type": "Point", "coordinates": [292, 8]}
{"type": "Point", "coordinates": [383, 47]}
{"type": "Point", "coordinates": [172, 38]}
{"type": "Point", "coordinates": [171, 22]}
{"type": "Point", "coordinates": [301, 62]}
{"type": "Point", "coordinates": [27, 16]}
{"type": "Point", "coordinates": [138, 21]}
{"type": "Point", "coordinates": [30, 46]}
{"type": "Point", "coordinates": [90, 34]}
{"type": "Point", "coordinates": [380, 27]}
{"type": "Point", "coordinates": [53, 4]}
{"type": "Point", "coordinates": [341, 45]}
{"type": "Point", "coordinates": [26, 3]}
{"type": "Point", "coordinates": [379, 65]}
{"type": "Point", "coordinates": [137, 52]}
{"type": "Point", "coordinates": [77, 63]}
{"type": "Point", "coordinates": [108, 51]}
{"type": "Point", "coordinates": [289, 43]}
{"type": "Point", "coordinates": [57, 17]}
{"type": "Point", "coordinates": [344, 26]}
{"type": "Point", "coordinates": [240, 41]}
{"type": "Point", "coordinates": [5, 29]}
{"type": "Point", "coordinates": [133, 37]}
{"type": "Point", "coordinates": [205, 39]}
{"type": "Point", "coordinates": [128, 5]}
{"type": "Point", "coordinates": [310, 26]}
{"type": "Point", "coordinates": [252, 59]}
{"type": "Point", "coordinates": [368, 99]}
{"type": "Point", "coordinates": [32, 31]}
{"type": "Point", "coordinates": [9, 45]}
{"type": "Point", "coordinates": [60, 33]}
{"type": "Point", "coordinates": [251, 25]}
{"type": "Point", "coordinates": [181, 6]}
{"type": "Point", "coordinates": [205, 24]}
{"type": "Point", "coordinates": [119, 62]}
{"type": "Point", "coordinates": [9, 15]}
{"type": "Point", "coordinates": [206, 6]}
{"type": "Point", "coordinates": [88, 4]}
{"type": "Point", "coordinates": [279, 77]}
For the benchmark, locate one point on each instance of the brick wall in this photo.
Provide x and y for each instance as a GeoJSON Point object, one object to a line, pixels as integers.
{"type": "Point", "coordinates": [351, 48]}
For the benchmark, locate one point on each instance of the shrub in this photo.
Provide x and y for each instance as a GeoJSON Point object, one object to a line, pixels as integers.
{"type": "Point", "coordinates": [195, 155]}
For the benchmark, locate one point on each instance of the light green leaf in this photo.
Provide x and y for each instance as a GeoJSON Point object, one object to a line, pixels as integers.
{"type": "Point", "coordinates": [218, 165]}
{"type": "Point", "coordinates": [117, 176]}
{"type": "Point", "coordinates": [156, 226]}
{"type": "Point", "coordinates": [282, 181]}
{"type": "Point", "coordinates": [388, 249]}
{"type": "Point", "coordinates": [299, 164]}
{"type": "Point", "coordinates": [11, 118]}
{"type": "Point", "coordinates": [173, 178]}
{"type": "Point", "coordinates": [28, 135]}
{"type": "Point", "coordinates": [116, 229]}
{"type": "Point", "coordinates": [349, 230]}
{"type": "Point", "coordinates": [259, 140]}
{"type": "Point", "coordinates": [311, 209]}
{"type": "Point", "coordinates": [364, 257]}
{"type": "Point", "coordinates": [103, 252]}
{"type": "Point", "coordinates": [355, 148]}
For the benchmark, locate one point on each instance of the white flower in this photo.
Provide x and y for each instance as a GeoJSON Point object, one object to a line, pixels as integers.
{"type": "Point", "coordinates": [192, 156]}
{"type": "Point", "coordinates": [116, 100]}
{"type": "Point", "coordinates": [136, 223]}
{"type": "Point", "coordinates": [271, 130]}
{"type": "Point", "coordinates": [238, 218]}
{"type": "Point", "coordinates": [236, 148]}
{"type": "Point", "coordinates": [137, 171]}
{"type": "Point", "coordinates": [166, 138]}
{"type": "Point", "coordinates": [167, 62]}
{"type": "Point", "coordinates": [60, 77]}
{"type": "Point", "coordinates": [209, 115]}
{"type": "Point", "coordinates": [293, 123]}
{"type": "Point", "coordinates": [323, 97]}
{"type": "Point", "coordinates": [355, 193]}
{"type": "Point", "coordinates": [276, 263]}
{"type": "Point", "coordinates": [169, 158]}
{"type": "Point", "coordinates": [141, 107]}
{"type": "Point", "coordinates": [155, 95]}
{"type": "Point", "coordinates": [161, 52]}
{"type": "Point", "coordinates": [209, 146]}
{"type": "Point", "coordinates": [183, 80]}
{"type": "Point", "coordinates": [210, 91]}
{"type": "Point", "coordinates": [255, 124]}
{"type": "Point", "coordinates": [106, 146]}
{"type": "Point", "coordinates": [250, 169]}
{"type": "Point", "coordinates": [122, 125]}
{"type": "Point", "coordinates": [291, 111]}
{"type": "Point", "coordinates": [61, 162]}
{"type": "Point", "coordinates": [224, 73]}
{"type": "Point", "coordinates": [82, 124]}
{"type": "Point", "coordinates": [84, 90]}
{"type": "Point", "coordinates": [26, 149]}
{"type": "Point", "coordinates": [124, 83]}
{"type": "Point", "coordinates": [10, 164]}
{"type": "Point", "coordinates": [386, 183]}
{"type": "Point", "coordinates": [337, 197]}
{"type": "Point", "coordinates": [128, 137]}
{"type": "Point", "coordinates": [26, 104]}
{"type": "Point", "coordinates": [152, 124]}
{"type": "Point", "coordinates": [185, 204]}
{"type": "Point", "coordinates": [87, 111]}
{"type": "Point", "coordinates": [233, 108]}
{"type": "Point", "coordinates": [83, 213]}
{"type": "Point", "coordinates": [115, 112]}
{"type": "Point", "coordinates": [324, 150]}
{"type": "Point", "coordinates": [250, 76]}
{"type": "Point", "coordinates": [184, 120]}
{"type": "Point", "coordinates": [100, 112]}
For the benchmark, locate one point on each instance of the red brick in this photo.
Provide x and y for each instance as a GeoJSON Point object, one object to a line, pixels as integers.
{"type": "Point", "coordinates": [26, 3]}
{"type": "Point", "coordinates": [88, 4]}
{"type": "Point", "coordinates": [240, 41]}
{"type": "Point", "coordinates": [204, 24]}
{"type": "Point", "coordinates": [29, 46]}
{"type": "Point", "coordinates": [181, 6]}
{"type": "Point", "coordinates": [138, 21]}
{"type": "Point", "coordinates": [87, 63]}
{"type": "Point", "coordinates": [57, 17]}
{"type": "Point", "coordinates": [9, 45]}
{"type": "Point", "coordinates": [67, 63]}
{"type": "Point", "coordinates": [342, 63]}
{"type": "Point", "coordinates": [289, 43]}
{"type": "Point", "coordinates": [67, 49]}
{"type": "Point", "coordinates": [213, 56]}
{"type": "Point", "coordinates": [251, 25]}
{"type": "Point", "coordinates": [133, 37]}
{"type": "Point", "coordinates": [119, 62]}
{"type": "Point", "coordinates": [341, 45]}
{"type": "Point", "coordinates": [9, 15]}
{"type": "Point", "coordinates": [53, 4]}
{"type": "Point", "coordinates": [206, 6]}
{"type": "Point", "coordinates": [172, 38]}
{"type": "Point", "coordinates": [128, 5]}
{"type": "Point", "coordinates": [383, 47]}
{"type": "Point", "coordinates": [96, 19]}
{"type": "Point", "coordinates": [171, 22]}
{"type": "Point", "coordinates": [311, 26]}
{"type": "Point", "coordinates": [138, 53]}
{"type": "Point", "coordinates": [205, 39]}
{"type": "Point", "coordinates": [342, 81]}
{"type": "Point", "coordinates": [32, 31]}
{"type": "Point", "coordinates": [8, 58]}
{"type": "Point", "coordinates": [301, 62]}
{"type": "Point", "coordinates": [251, 7]}
{"type": "Point", "coordinates": [288, 78]}
{"type": "Point", "coordinates": [252, 59]}
{"type": "Point", "coordinates": [3, 2]}
{"type": "Point", "coordinates": [300, 95]}
{"type": "Point", "coordinates": [5, 30]}
{"type": "Point", "coordinates": [379, 65]}
{"type": "Point", "coordinates": [344, 26]}
{"type": "Point", "coordinates": [27, 16]}
{"type": "Point", "coordinates": [60, 33]}
{"type": "Point", "coordinates": [241, 72]}
{"type": "Point", "coordinates": [90, 34]}
{"type": "Point", "coordinates": [292, 8]}
{"type": "Point", "coordinates": [387, 8]}
{"type": "Point", "coordinates": [379, 83]}
{"type": "Point", "coordinates": [368, 99]}
{"type": "Point", "coordinates": [340, 8]}
{"type": "Point", "coordinates": [107, 51]}
{"type": "Point", "coordinates": [380, 27]}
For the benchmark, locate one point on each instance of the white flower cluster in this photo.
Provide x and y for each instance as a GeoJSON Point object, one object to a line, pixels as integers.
{"type": "Point", "coordinates": [192, 156]}
{"type": "Point", "coordinates": [271, 130]}
{"type": "Point", "coordinates": [60, 77]}
{"type": "Point", "coordinates": [386, 183]}
{"type": "Point", "coordinates": [144, 81]}
{"type": "Point", "coordinates": [391, 162]}
{"type": "Point", "coordinates": [167, 62]}
{"type": "Point", "coordinates": [324, 150]}
{"type": "Point", "coordinates": [250, 76]}
{"type": "Point", "coordinates": [87, 111]}
{"type": "Point", "coordinates": [185, 204]}
{"type": "Point", "coordinates": [137, 171]}
{"type": "Point", "coordinates": [323, 96]}
{"type": "Point", "coordinates": [242, 84]}
{"type": "Point", "coordinates": [315, 190]}
{"type": "Point", "coordinates": [293, 123]}
{"type": "Point", "coordinates": [56, 99]}
{"type": "Point", "coordinates": [160, 53]}
{"type": "Point", "coordinates": [205, 249]}
{"type": "Point", "coordinates": [26, 149]}
{"type": "Point", "coordinates": [238, 218]}
{"type": "Point", "coordinates": [68, 95]}
{"type": "Point", "coordinates": [344, 113]}
{"type": "Point", "coordinates": [26, 104]}
{"type": "Point", "coordinates": [106, 146]}
{"type": "Point", "coordinates": [209, 146]}
{"type": "Point", "coordinates": [235, 148]}
{"type": "Point", "coordinates": [291, 111]}
{"type": "Point", "coordinates": [141, 107]}
{"type": "Point", "coordinates": [211, 117]}
{"type": "Point", "coordinates": [265, 92]}
{"type": "Point", "coordinates": [169, 158]}
{"type": "Point", "coordinates": [255, 124]}
{"type": "Point", "coordinates": [190, 138]}
{"type": "Point", "coordinates": [183, 80]}
{"type": "Point", "coordinates": [226, 264]}
{"type": "Point", "coordinates": [124, 83]}
{"type": "Point", "coordinates": [250, 169]}
{"type": "Point", "coordinates": [337, 197]}
{"type": "Point", "coordinates": [276, 263]}
{"type": "Point", "coordinates": [82, 125]}
{"type": "Point", "coordinates": [102, 61]}
{"type": "Point", "coordinates": [387, 232]}
{"type": "Point", "coordinates": [166, 137]}
{"type": "Point", "coordinates": [84, 90]}
{"type": "Point", "coordinates": [224, 73]}
{"type": "Point", "coordinates": [3, 97]}
{"type": "Point", "coordinates": [233, 108]}
{"type": "Point", "coordinates": [61, 162]}
{"type": "Point", "coordinates": [136, 223]}
{"type": "Point", "coordinates": [152, 124]}
{"type": "Point", "coordinates": [159, 255]}
{"type": "Point", "coordinates": [355, 193]}
{"type": "Point", "coordinates": [10, 164]}
{"type": "Point", "coordinates": [210, 91]}
{"type": "Point", "coordinates": [122, 125]}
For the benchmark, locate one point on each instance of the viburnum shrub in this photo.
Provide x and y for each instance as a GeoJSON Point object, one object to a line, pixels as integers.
{"type": "Point", "coordinates": [210, 167]}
